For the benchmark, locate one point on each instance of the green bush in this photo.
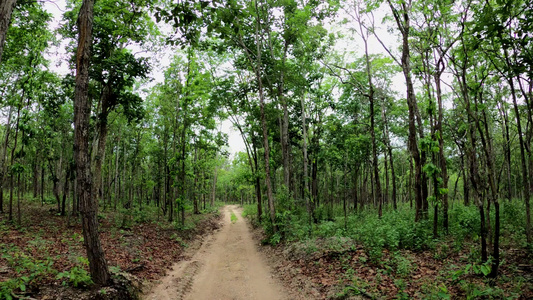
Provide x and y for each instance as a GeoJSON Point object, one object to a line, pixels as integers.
{"type": "Point", "coordinates": [31, 271]}
{"type": "Point", "coordinates": [77, 276]}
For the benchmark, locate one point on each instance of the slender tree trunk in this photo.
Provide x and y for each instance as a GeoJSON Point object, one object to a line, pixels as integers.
{"type": "Point", "coordinates": [257, 184]}
{"type": "Point", "coordinates": [195, 186]}
{"type": "Point", "coordinates": [117, 177]}
{"type": "Point", "coordinates": [284, 123]}
{"type": "Point", "coordinates": [12, 160]}
{"type": "Point", "coordinates": [486, 143]}
{"type": "Point", "coordinates": [3, 164]}
{"type": "Point", "coordinates": [375, 162]}
{"type": "Point", "coordinates": [68, 177]}
{"type": "Point", "coordinates": [19, 196]}
{"type": "Point", "coordinates": [523, 163]}
{"type": "Point", "coordinates": [214, 188]}
{"type": "Point", "coordinates": [258, 68]}
{"type": "Point", "coordinates": [99, 157]}
{"type": "Point", "coordinates": [345, 188]}
{"type": "Point", "coordinates": [506, 149]}
{"type": "Point", "coordinates": [82, 111]}
{"type": "Point", "coordinates": [472, 159]}
{"type": "Point", "coordinates": [306, 163]}
{"type": "Point", "coordinates": [10, 207]}
{"type": "Point", "coordinates": [442, 158]}
{"type": "Point", "coordinates": [403, 22]}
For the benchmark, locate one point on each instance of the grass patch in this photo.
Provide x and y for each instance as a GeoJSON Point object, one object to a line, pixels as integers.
{"type": "Point", "coordinates": [233, 218]}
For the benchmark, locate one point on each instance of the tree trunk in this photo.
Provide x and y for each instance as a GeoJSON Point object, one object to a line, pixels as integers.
{"type": "Point", "coordinates": [82, 112]}
{"type": "Point", "coordinates": [523, 163]}
{"type": "Point", "coordinates": [257, 184]}
{"type": "Point", "coordinates": [12, 160]}
{"type": "Point", "coordinates": [101, 144]}
{"type": "Point", "coordinates": [3, 164]}
{"type": "Point", "coordinates": [375, 162]}
{"type": "Point", "coordinates": [6, 9]}
{"type": "Point", "coordinates": [270, 195]}
{"type": "Point", "coordinates": [214, 188]}
{"type": "Point", "coordinates": [442, 158]}
{"type": "Point", "coordinates": [306, 163]}
{"type": "Point", "coordinates": [195, 186]}
{"type": "Point", "coordinates": [404, 27]}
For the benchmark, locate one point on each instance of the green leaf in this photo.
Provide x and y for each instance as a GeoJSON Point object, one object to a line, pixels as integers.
{"type": "Point", "coordinates": [485, 269]}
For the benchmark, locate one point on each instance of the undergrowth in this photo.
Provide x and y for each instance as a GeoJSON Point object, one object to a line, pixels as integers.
{"type": "Point", "coordinates": [385, 239]}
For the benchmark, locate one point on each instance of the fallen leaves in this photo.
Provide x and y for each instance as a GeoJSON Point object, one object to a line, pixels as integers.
{"type": "Point", "coordinates": [47, 235]}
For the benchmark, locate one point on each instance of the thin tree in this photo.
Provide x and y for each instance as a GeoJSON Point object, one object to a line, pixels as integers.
{"type": "Point", "coordinates": [82, 111]}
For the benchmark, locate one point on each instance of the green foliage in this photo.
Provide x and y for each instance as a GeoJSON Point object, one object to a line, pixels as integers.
{"type": "Point", "coordinates": [436, 292]}
{"type": "Point", "coordinates": [402, 265]}
{"type": "Point", "coordinates": [400, 284]}
{"type": "Point", "coordinates": [77, 276]}
{"type": "Point", "coordinates": [30, 271]}
{"type": "Point", "coordinates": [233, 217]}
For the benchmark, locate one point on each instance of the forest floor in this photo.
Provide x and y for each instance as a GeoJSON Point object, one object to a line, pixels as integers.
{"type": "Point", "coordinates": [138, 245]}
{"type": "Point", "coordinates": [227, 265]}
{"type": "Point", "coordinates": [219, 256]}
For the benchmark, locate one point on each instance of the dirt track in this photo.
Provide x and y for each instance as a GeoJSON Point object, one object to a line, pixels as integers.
{"type": "Point", "coordinates": [226, 266]}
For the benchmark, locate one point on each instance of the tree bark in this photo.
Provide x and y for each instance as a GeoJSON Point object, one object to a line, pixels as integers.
{"type": "Point", "coordinates": [6, 9]}
{"type": "Point", "coordinates": [82, 110]}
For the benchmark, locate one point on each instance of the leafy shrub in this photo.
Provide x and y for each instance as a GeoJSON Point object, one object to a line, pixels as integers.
{"type": "Point", "coordinates": [32, 271]}
{"type": "Point", "coordinates": [464, 221]}
{"type": "Point", "coordinates": [77, 276]}
{"type": "Point", "coordinates": [250, 211]}
{"type": "Point", "coordinates": [329, 228]}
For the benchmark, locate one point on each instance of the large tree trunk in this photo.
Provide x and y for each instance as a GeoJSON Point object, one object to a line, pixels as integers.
{"type": "Point", "coordinates": [82, 111]}
{"type": "Point", "coordinates": [6, 9]}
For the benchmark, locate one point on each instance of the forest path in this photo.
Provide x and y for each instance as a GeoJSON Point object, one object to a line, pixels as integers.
{"type": "Point", "coordinates": [226, 266]}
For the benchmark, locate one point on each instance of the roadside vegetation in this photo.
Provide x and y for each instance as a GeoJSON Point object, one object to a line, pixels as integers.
{"type": "Point", "coordinates": [392, 257]}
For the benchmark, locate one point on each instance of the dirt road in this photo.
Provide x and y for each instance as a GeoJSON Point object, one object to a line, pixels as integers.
{"type": "Point", "coordinates": [227, 266]}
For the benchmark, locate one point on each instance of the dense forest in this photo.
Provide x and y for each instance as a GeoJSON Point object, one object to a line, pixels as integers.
{"type": "Point", "coordinates": [382, 131]}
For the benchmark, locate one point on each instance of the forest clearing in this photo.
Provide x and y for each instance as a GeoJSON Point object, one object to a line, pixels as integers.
{"type": "Point", "coordinates": [294, 149]}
